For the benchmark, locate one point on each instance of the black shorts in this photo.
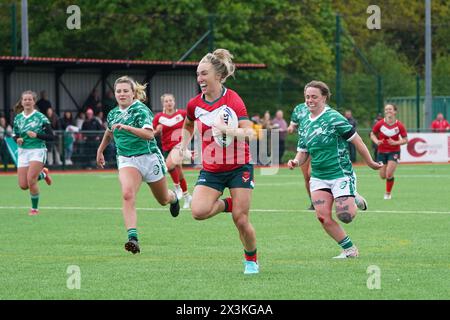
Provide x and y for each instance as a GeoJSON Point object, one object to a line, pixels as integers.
{"type": "Point", "coordinates": [388, 156]}
{"type": "Point", "coordinates": [241, 177]}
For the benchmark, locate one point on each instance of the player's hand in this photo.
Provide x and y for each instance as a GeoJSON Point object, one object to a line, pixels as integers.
{"type": "Point", "coordinates": [31, 134]}
{"type": "Point", "coordinates": [379, 142]}
{"type": "Point", "coordinates": [19, 141]}
{"type": "Point", "coordinates": [177, 155]}
{"type": "Point", "coordinates": [291, 128]}
{"type": "Point", "coordinates": [392, 142]}
{"type": "Point", "coordinates": [375, 165]}
{"type": "Point", "coordinates": [100, 160]}
{"type": "Point", "coordinates": [292, 163]}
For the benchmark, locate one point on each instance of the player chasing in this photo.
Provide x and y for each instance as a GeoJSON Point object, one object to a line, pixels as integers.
{"type": "Point", "coordinates": [224, 166]}
{"type": "Point", "coordinates": [138, 156]}
{"type": "Point", "coordinates": [323, 136]}
{"type": "Point", "coordinates": [169, 123]}
{"type": "Point", "coordinates": [389, 134]}
{"type": "Point", "coordinates": [31, 130]}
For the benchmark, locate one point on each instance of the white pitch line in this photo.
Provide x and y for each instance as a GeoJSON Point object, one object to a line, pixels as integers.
{"type": "Point", "coordinates": [252, 210]}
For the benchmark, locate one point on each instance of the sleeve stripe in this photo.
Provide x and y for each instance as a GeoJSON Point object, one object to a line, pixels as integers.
{"type": "Point", "coordinates": [349, 135]}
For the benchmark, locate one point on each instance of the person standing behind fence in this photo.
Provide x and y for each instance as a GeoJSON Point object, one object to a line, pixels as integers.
{"type": "Point", "coordinates": [168, 124]}
{"type": "Point", "coordinates": [91, 139]}
{"type": "Point", "coordinates": [389, 134]}
{"type": "Point", "coordinates": [440, 124]}
{"type": "Point", "coordinates": [138, 157]}
{"type": "Point", "coordinates": [54, 156]}
{"type": "Point", "coordinates": [323, 136]}
{"type": "Point", "coordinates": [351, 147]}
{"type": "Point", "coordinates": [279, 124]}
{"type": "Point", "coordinates": [5, 131]}
{"type": "Point", "coordinates": [223, 167]}
{"type": "Point", "coordinates": [31, 130]}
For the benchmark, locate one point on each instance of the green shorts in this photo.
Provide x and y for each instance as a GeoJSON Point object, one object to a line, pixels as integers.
{"type": "Point", "coordinates": [388, 156]}
{"type": "Point", "coordinates": [241, 177]}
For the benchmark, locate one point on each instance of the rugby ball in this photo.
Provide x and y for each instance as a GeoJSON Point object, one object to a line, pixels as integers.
{"type": "Point", "coordinates": [226, 116]}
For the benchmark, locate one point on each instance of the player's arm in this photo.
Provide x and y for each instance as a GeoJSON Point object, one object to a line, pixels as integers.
{"type": "Point", "coordinates": [245, 130]}
{"type": "Point", "coordinates": [158, 130]}
{"type": "Point", "coordinates": [374, 138]}
{"type": "Point", "coordinates": [363, 151]}
{"type": "Point", "coordinates": [292, 127]}
{"type": "Point", "coordinates": [107, 138]}
{"type": "Point", "coordinates": [145, 132]}
{"type": "Point", "coordinates": [186, 133]}
{"type": "Point", "coordinates": [300, 159]}
{"type": "Point", "coordinates": [48, 134]}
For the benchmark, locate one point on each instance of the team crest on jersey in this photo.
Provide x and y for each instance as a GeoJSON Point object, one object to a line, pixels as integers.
{"type": "Point", "coordinates": [343, 184]}
{"type": "Point", "coordinates": [245, 176]}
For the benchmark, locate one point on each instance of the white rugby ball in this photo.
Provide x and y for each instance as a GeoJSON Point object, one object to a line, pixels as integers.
{"type": "Point", "coordinates": [226, 116]}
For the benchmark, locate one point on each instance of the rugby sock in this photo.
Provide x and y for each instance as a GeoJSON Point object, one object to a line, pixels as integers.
{"type": "Point", "coordinates": [175, 176]}
{"type": "Point", "coordinates": [389, 184]}
{"type": "Point", "coordinates": [346, 243]}
{"type": "Point", "coordinates": [132, 234]}
{"type": "Point", "coordinates": [34, 200]}
{"type": "Point", "coordinates": [228, 204]}
{"type": "Point", "coordinates": [42, 175]}
{"type": "Point", "coordinates": [183, 185]}
{"type": "Point", "coordinates": [175, 199]}
{"type": "Point", "coordinates": [250, 255]}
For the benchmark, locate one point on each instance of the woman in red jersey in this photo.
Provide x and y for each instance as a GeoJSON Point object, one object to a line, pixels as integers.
{"type": "Point", "coordinates": [389, 134]}
{"type": "Point", "coordinates": [169, 123]}
{"type": "Point", "coordinates": [222, 167]}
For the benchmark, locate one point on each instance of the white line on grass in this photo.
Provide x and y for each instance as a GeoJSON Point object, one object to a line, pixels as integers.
{"type": "Point", "coordinates": [253, 210]}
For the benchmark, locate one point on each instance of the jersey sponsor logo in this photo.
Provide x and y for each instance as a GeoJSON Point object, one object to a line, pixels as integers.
{"type": "Point", "coordinates": [208, 117]}
{"type": "Point", "coordinates": [170, 122]}
{"type": "Point", "coordinates": [389, 132]}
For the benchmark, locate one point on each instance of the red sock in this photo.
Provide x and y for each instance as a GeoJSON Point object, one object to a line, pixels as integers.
{"type": "Point", "coordinates": [175, 176]}
{"type": "Point", "coordinates": [250, 256]}
{"type": "Point", "coordinates": [389, 184]}
{"type": "Point", "coordinates": [183, 183]}
{"type": "Point", "coordinates": [228, 204]}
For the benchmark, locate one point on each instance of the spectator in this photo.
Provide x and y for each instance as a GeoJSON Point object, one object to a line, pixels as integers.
{"type": "Point", "coordinates": [280, 125]}
{"type": "Point", "coordinates": [79, 119]}
{"type": "Point", "coordinates": [92, 101]}
{"type": "Point", "coordinates": [108, 102]}
{"type": "Point", "coordinates": [351, 147]}
{"type": "Point", "coordinates": [440, 124]}
{"type": "Point", "coordinates": [92, 138]}
{"type": "Point", "coordinates": [53, 145]}
{"type": "Point", "coordinates": [5, 130]}
{"type": "Point", "coordinates": [43, 103]}
{"type": "Point", "coordinates": [67, 124]}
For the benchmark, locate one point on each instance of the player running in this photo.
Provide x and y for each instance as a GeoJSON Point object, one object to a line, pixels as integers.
{"type": "Point", "coordinates": [223, 167]}
{"type": "Point", "coordinates": [389, 134]}
{"type": "Point", "coordinates": [323, 135]}
{"type": "Point", "coordinates": [169, 123]}
{"type": "Point", "coordinates": [138, 156]}
{"type": "Point", "coordinates": [31, 130]}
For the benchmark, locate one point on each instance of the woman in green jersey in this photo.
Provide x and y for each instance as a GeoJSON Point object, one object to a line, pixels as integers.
{"type": "Point", "coordinates": [31, 130]}
{"type": "Point", "coordinates": [138, 156]}
{"type": "Point", "coordinates": [324, 135]}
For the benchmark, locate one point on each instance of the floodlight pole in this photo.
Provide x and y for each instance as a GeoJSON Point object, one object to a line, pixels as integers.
{"type": "Point", "coordinates": [25, 42]}
{"type": "Point", "coordinates": [428, 65]}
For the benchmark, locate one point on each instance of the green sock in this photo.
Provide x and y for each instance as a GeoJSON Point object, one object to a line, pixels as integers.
{"type": "Point", "coordinates": [42, 175]}
{"type": "Point", "coordinates": [34, 200]}
{"type": "Point", "coordinates": [132, 233]}
{"type": "Point", "coordinates": [346, 243]}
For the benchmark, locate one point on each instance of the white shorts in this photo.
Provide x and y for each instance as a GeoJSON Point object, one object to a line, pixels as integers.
{"type": "Point", "coordinates": [151, 166]}
{"type": "Point", "coordinates": [341, 187]}
{"type": "Point", "coordinates": [26, 155]}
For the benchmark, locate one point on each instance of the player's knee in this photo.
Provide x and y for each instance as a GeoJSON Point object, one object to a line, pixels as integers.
{"type": "Point", "coordinates": [199, 213]}
{"type": "Point", "coordinates": [128, 195]}
{"type": "Point", "coordinates": [23, 186]}
{"type": "Point", "coordinates": [240, 221]}
{"type": "Point", "coordinates": [345, 217]}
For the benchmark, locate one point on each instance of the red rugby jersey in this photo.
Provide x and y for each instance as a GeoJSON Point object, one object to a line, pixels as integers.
{"type": "Point", "coordinates": [171, 128]}
{"type": "Point", "coordinates": [384, 131]}
{"type": "Point", "coordinates": [214, 157]}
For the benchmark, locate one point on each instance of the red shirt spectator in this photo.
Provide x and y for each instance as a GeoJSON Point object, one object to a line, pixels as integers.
{"type": "Point", "coordinates": [440, 124]}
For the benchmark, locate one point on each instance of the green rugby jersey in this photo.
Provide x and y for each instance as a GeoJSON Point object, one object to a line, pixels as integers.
{"type": "Point", "coordinates": [137, 115]}
{"type": "Point", "coordinates": [299, 112]}
{"type": "Point", "coordinates": [35, 122]}
{"type": "Point", "coordinates": [325, 139]}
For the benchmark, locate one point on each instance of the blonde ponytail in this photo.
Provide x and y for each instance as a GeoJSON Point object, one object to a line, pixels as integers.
{"type": "Point", "coordinates": [222, 62]}
{"type": "Point", "coordinates": [137, 88]}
